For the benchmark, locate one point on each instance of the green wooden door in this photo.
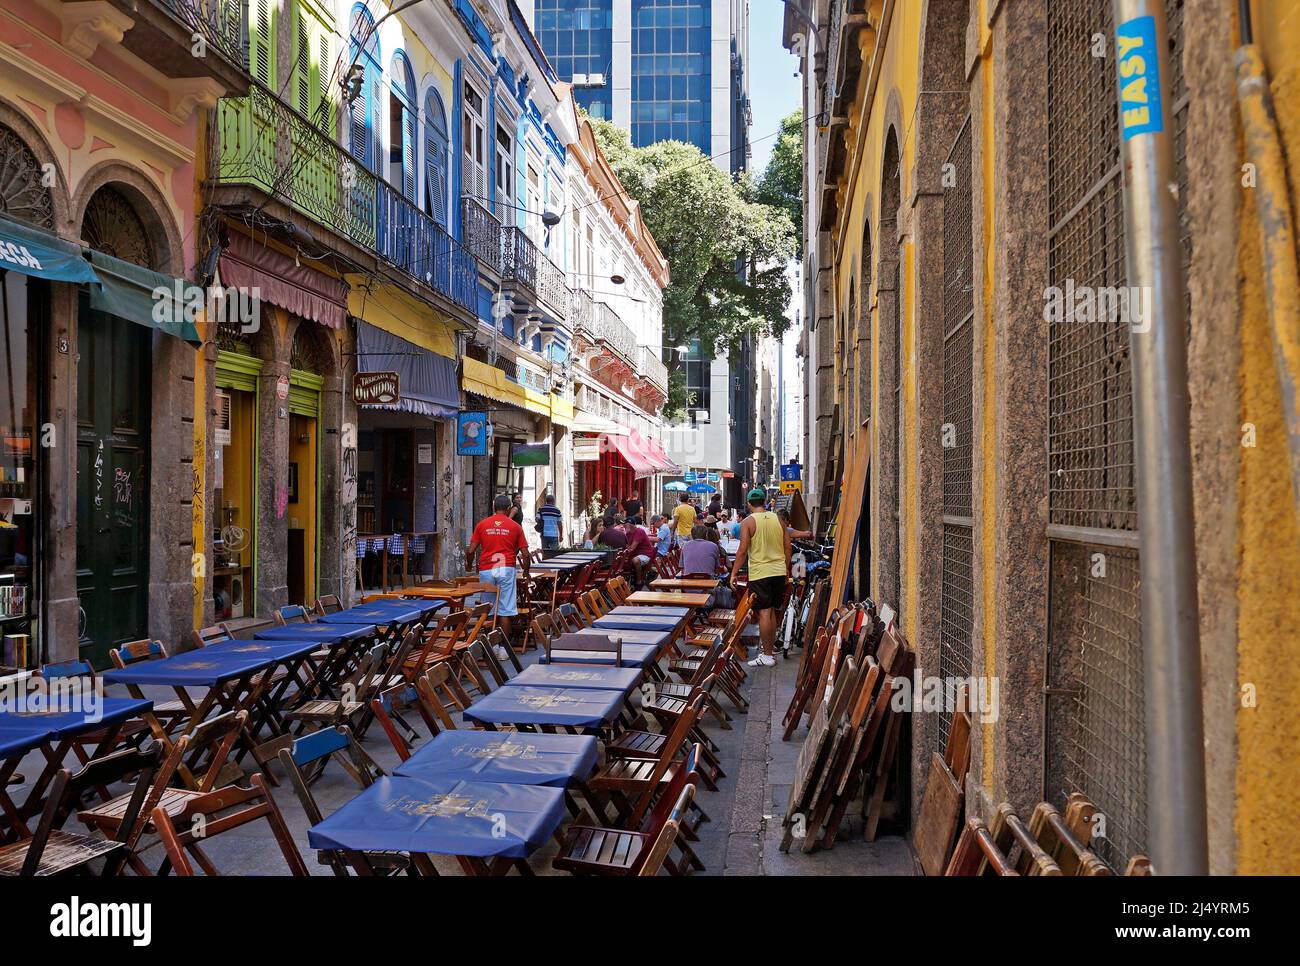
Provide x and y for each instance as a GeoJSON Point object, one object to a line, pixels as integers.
{"type": "Point", "coordinates": [113, 374]}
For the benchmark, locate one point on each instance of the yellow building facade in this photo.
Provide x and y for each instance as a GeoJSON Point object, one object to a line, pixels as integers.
{"type": "Point", "coordinates": [964, 177]}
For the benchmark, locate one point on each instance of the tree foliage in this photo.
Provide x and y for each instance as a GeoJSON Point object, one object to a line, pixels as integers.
{"type": "Point", "coordinates": [782, 182]}
{"type": "Point", "coordinates": [726, 247]}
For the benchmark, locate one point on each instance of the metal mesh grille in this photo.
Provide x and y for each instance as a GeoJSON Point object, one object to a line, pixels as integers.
{"type": "Point", "coordinates": [955, 615]}
{"type": "Point", "coordinates": [1090, 432]}
{"type": "Point", "coordinates": [958, 308]}
{"type": "Point", "coordinates": [1105, 753]}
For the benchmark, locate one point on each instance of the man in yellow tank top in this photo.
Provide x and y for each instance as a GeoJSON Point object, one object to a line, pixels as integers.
{"type": "Point", "coordinates": [765, 544]}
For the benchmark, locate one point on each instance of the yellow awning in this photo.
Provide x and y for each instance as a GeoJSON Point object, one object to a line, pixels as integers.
{"type": "Point", "coordinates": [389, 308]}
{"type": "Point", "coordinates": [484, 380]}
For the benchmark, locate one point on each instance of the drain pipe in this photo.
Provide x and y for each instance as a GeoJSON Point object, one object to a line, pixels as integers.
{"type": "Point", "coordinates": [1158, 345]}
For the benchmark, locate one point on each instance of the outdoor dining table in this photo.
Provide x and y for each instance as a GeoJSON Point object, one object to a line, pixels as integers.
{"type": "Point", "coordinates": [510, 758]}
{"type": "Point", "coordinates": [643, 609]}
{"type": "Point", "coordinates": [316, 631]}
{"type": "Point", "coordinates": [684, 583]}
{"type": "Point", "coordinates": [634, 655]}
{"type": "Point", "coordinates": [345, 643]}
{"type": "Point", "coordinates": [395, 616]}
{"type": "Point", "coordinates": [232, 672]}
{"type": "Point", "coordinates": [54, 733]}
{"type": "Point", "coordinates": [668, 598]}
{"type": "Point", "coordinates": [637, 622]}
{"type": "Point", "coordinates": [653, 637]}
{"type": "Point", "coordinates": [487, 826]}
{"type": "Point", "coordinates": [547, 708]}
{"type": "Point", "coordinates": [564, 675]}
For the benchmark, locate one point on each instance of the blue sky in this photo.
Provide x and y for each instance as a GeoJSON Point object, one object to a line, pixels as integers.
{"type": "Point", "coordinates": [773, 86]}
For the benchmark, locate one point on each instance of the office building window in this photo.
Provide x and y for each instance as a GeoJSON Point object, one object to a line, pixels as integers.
{"type": "Point", "coordinates": [698, 364]}
{"type": "Point", "coordinates": [506, 187]}
{"type": "Point", "coordinates": [670, 71]}
{"type": "Point", "coordinates": [577, 36]}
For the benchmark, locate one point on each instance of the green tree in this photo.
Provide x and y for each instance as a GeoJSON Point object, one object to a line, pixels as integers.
{"type": "Point", "coordinates": [726, 248]}
{"type": "Point", "coordinates": [782, 182]}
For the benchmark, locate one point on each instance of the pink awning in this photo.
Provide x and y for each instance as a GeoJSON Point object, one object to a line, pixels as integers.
{"type": "Point", "coordinates": [281, 281]}
{"type": "Point", "coordinates": [663, 463]}
{"type": "Point", "coordinates": [632, 448]}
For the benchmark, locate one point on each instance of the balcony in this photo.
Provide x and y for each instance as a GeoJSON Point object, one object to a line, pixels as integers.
{"type": "Point", "coordinates": [652, 369]}
{"type": "Point", "coordinates": [524, 265]}
{"type": "Point", "coordinates": [266, 144]}
{"type": "Point", "coordinates": [420, 247]}
{"type": "Point", "coordinates": [582, 309]}
{"type": "Point", "coordinates": [482, 234]}
{"type": "Point", "coordinates": [164, 34]}
{"type": "Point", "coordinates": [609, 329]}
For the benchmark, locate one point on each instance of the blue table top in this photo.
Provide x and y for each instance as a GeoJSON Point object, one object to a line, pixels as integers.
{"type": "Point", "coordinates": [315, 631]}
{"type": "Point", "coordinates": [209, 666]}
{"type": "Point", "coordinates": [444, 816]}
{"type": "Point", "coordinates": [558, 564]}
{"type": "Point", "coordinates": [574, 707]}
{"type": "Point", "coordinates": [635, 656]}
{"type": "Point", "coordinates": [590, 678]}
{"type": "Point", "coordinates": [22, 731]}
{"type": "Point", "coordinates": [653, 610]}
{"type": "Point", "coordinates": [631, 637]}
{"type": "Point", "coordinates": [513, 759]}
{"type": "Point", "coordinates": [636, 622]}
{"type": "Point", "coordinates": [385, 612]}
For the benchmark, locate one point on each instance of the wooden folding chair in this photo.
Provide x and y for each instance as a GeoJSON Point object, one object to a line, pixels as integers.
{"type": "Point", "coordinates": [593, 850]}
{"type": "Point", "coordinates": [438, 693]}
{"type": "Point", "coordinates": [52, 851]}
{"type": "Point", "coordinates": [313, 752]}
{"type": "Point", "coordinates": [292, 614]}
{"type": "Point", "coordinates": [1061, 843]}
{"type": "Point", "coordinates": [606, 648]}
{"type": "Point", "coordinates": [977, 854]}
{"type": "Point", "coordinates": [328, 604]}
{"type": "Point", "coordinates": [436, 644]}
{"type": "Point", "coordinates": [430, 706]}
{"type": "Point", "coordinates": [496, 638]}
{"type": "Point", "coordinates": [211, 739]}
{"type": "Point", "coordinates": [568, 618]}
{"type": "Point", "coordinates": [169, 714]}
{"type": "Point", "coordinates": [222, 811]}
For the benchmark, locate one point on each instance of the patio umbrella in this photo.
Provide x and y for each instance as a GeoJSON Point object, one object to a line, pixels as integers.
{"type": "Point", "coordinates": [701, 488]}
{"type": "Point", "coordinates": [675, 486]}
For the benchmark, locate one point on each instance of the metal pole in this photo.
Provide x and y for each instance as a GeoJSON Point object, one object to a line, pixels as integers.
{"type": "Point", "coordinates": [1158, 346]}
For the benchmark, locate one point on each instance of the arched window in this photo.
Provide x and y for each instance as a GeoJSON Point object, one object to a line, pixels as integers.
{"type": "Point", "coordinates": [401, 108]}
{"type": "Point", "coordinates": [435, 157]}
{"type": "Point", "coordinates": [364, 122]}
{"type": "Point", "coordinates": [23, 194]}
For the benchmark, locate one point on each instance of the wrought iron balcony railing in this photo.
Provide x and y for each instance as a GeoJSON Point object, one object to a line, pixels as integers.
{"type": "Point", "coordinates": [582, 310]}
{"type": "Point", "coordinates": [482, 234]}
{"type": "Point", "coordinates": [652, 368]}
{"type": "Point", "coordinates": [419, 246]}
{"type": "Point", "coordinates": [265, 143]}
{"type": "Point", "coordinates": [222, 24]}
{"type": "Point", "coordinates": [609, 328]}
{"type": "Point", "coordinates": [524, 263]}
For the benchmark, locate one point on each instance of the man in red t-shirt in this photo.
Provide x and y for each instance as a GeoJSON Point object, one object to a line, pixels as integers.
{"type": "Point", "coordinates": [499, 542]}
{"type": "Point", "coordinates": [643, 551]}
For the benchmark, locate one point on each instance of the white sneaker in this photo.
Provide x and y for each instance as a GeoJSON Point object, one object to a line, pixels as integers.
{"type": "Point", "coordinates": [763, 660]}
{"type": "Point", "coordinates": [500, 652]}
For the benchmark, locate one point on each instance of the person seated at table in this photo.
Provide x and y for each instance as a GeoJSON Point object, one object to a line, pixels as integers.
{"type": "Point", "coordinates": [643, 551]}
{"type": "Point", "coordinates": [594, 531]}
{"type": "Point", "coordinates": [663, 534]}
{"type": "Point", "coordinates": [700, 554]}
{"type": "Point", "coordinates": [614, 535]}
{"type": "Point", "coordinates": [499, 543]}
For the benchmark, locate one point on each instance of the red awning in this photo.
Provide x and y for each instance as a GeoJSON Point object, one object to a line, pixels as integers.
{"type": "Point", "coordinates": [305, 292]}
{"type": "Point", "coordinates": [662, 461]}
{"type": "Point", "coordinates": [632, 449]}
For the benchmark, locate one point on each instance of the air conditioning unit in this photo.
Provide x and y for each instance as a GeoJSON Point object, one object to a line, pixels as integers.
{"type": "Point", "coordinates": [595, 80]}
{"type": "Point", "coordinates": [699, 415]}
{"type": "Point", "coordinates": [579, 80]}
{"type": "Point", "coordinates": [222, 434]}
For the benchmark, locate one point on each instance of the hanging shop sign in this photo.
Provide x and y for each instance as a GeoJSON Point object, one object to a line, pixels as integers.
{"type": "Point", "coordinates": [791, 472]}
{"type": "Point", "coordinates": [472, 431]}
{"type": "Point", "coordinates": [376, 388]}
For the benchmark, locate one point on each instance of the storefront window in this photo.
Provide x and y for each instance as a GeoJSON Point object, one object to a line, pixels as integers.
{"type": "Point", "coordinates": [233, 509]}
{"type": "Point", "coordinates": [23, 299]}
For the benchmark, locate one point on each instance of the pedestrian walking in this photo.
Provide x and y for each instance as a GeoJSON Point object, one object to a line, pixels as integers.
{"type": "Point", "coordinates": [550, 522]}
{"type": "Point", "coordinates": [765, 544]}
{"type": "Point", "coordinates": [684, 518]}
{"type": "Point", "coordinates": [498, 544]}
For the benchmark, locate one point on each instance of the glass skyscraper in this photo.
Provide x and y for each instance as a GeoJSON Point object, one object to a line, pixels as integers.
{"type": "Point", "coordinates": [663, 69]}
{"type": "Point", "coordinates": [577, 36]}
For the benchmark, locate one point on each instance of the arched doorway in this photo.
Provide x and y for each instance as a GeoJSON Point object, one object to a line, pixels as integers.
{"type": "Point", "coordinates": [113, 420]}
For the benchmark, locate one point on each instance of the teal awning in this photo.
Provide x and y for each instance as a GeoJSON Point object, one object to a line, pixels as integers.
{"type": "Point", "coordinates": [34, 251]}
{"type": "Point", "coordinates": [144, 296]}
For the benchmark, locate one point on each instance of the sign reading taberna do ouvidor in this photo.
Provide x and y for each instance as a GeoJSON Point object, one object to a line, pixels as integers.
{"type": "Point", "coordinates": [472, 432]}
{"type": "Point", "coordinates": [376, 388]}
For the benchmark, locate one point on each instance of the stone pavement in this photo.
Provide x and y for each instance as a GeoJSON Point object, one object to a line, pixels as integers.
{"type": "Point", "coordinates": [766, 773]}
